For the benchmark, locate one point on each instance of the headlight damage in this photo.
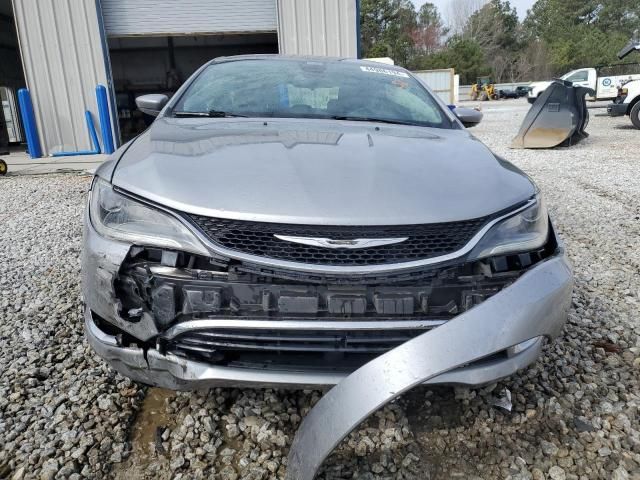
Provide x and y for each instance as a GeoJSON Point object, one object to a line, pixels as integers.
{"type": "Point", "coordinates": [121, 218]}
{"type": "Point", "coordinates": [524, 231]}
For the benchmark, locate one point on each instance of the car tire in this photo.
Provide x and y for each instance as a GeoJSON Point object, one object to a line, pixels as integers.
{"type": "Point", "coordinates": [635, 115]}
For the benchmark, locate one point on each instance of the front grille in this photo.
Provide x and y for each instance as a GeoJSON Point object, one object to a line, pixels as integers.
{"type": "Point", "coordinates": [257, 238]}
{"type": "Point", "coordinates": [286, 347]}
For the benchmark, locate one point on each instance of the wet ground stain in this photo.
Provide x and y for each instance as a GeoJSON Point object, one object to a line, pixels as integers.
{"type": "Point", "coordinates": [145, 437]}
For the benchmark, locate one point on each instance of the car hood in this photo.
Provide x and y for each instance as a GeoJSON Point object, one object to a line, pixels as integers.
{"type": "Point", "coordinates": [318, 172]}
{"type": "Point", "coordinates": [540, 85]}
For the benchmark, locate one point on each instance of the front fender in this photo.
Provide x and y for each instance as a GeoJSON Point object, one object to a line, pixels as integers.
{"type": "Point", "coordinates": [633, 89]}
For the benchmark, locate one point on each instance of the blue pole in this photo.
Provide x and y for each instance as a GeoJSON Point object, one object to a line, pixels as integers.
{"type": "Point", "coordinates": [92, 131]}
{"type": "Point", "coordinates": [105, 119]}
{"type": "Point", "coordinates": [29, 123]}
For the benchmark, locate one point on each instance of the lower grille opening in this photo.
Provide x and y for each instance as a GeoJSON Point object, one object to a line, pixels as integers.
{"type": "Point", "coordinates": [292, 341]}
{"type": "Point", "coordinates": [300, 350]}
{"type": "Point", "coordinates": [291, 350]}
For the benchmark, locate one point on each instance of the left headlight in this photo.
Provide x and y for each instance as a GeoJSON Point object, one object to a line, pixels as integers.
{"type": "Point", "coordinates": [524, 231]}
{"type": "Point", "coordinates": [121, 218]}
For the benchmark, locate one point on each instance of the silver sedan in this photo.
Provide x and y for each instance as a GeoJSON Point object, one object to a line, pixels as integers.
{"type": "Point", "coordinates": [285, 221]}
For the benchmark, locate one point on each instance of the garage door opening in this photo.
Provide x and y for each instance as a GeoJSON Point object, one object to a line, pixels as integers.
{"type": "Point", "coordinates": [11, 78]}
{"type": "Point", "coordinates": [142, 65]}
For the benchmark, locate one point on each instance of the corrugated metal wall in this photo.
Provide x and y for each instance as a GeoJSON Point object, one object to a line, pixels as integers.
{"type": "Point", "coordinates": [161, 17]}
{"type": "Point", "coordinates": [63, 58]}
{"type": "Point", "coordinates": [318, 27]}
{"type": "Point", "coordinates": [442, 82]}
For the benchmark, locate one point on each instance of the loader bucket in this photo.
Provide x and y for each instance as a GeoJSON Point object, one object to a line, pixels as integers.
{"type": "Point", "coordinates": [557, 118]}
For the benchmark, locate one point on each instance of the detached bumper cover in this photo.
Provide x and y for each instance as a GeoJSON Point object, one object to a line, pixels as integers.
{"type": "Point", "coordinates": [536, 305]}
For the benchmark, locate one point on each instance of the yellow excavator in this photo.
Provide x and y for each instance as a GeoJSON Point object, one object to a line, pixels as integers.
{"type": "Point", "coordinates": [483, 90]}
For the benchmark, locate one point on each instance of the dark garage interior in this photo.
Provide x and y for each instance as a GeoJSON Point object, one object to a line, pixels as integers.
{"type": "Point", "coordinates": [154, 64]}
{"type": "Point", "coordinates": [11, 77]}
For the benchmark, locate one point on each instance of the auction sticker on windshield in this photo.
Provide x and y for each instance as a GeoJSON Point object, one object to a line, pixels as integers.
{"type": "Point", "coordinates": [385, 71]}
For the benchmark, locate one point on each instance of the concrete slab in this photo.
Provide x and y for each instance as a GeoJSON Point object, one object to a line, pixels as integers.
{"type": "Point", "coordinates": [19, 163]}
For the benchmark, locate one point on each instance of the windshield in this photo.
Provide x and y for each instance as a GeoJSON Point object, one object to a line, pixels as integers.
{"type": "Point", "coordinates": [311, 89]}
{"type": "Point", "coordinates": [576, 76]}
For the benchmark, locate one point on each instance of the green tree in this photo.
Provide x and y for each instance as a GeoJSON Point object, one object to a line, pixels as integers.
{"type": "Point", "coordinates": [496, 28]}
{"type": "Point", "coordinates": [463, 55]}
{"type": "Point", "coordinates": [582, 33]}
{"type": "Point", "coordinates": [387, 27]}
{"type": "Point", "coordinates": [621, 16]}
{"type": "Point", "coordinates": [495, 25]}
{"type": "Point", "coordinates": [488, 39]}
{"type": "Point", "coordinates": [430, 31]}
{"type": "Point", "coordinates": [429, 16]}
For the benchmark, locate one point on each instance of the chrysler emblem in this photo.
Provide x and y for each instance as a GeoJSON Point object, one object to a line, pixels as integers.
{"type": "Point", "coordinates": [334, 243]}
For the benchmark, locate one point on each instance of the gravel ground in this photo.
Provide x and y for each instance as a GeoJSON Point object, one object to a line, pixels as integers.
{"type": "Point", "coordinates": [64, 414]}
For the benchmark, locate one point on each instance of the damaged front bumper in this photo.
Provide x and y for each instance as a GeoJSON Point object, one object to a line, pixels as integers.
{"type": "Point", "coordinates": [177, 373]}
{"type": "Point", "coordinates": [138, 349]}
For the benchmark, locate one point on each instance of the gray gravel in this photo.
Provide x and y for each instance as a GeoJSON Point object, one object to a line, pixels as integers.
{"type": "Point", "coordinates": [64, 414]}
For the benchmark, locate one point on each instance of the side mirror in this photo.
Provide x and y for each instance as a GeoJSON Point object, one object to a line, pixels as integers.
{"type": "Point", "coordinates": [151, 104]}
{"type": "Point", "coordinates": [468, 116]}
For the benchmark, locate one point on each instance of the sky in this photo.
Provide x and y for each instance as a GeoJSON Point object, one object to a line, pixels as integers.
{"type": "Point", "coordinates": [521, 6]}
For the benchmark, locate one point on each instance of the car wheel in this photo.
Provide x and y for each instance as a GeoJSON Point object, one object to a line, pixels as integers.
{"type": "Point", "coordinates": [3, 167]}
{"type": "Point", "coordinates": [635, 115]}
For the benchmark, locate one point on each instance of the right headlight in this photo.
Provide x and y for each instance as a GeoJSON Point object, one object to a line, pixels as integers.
{"type": "Point", "coordinates": [122, 218]}
{"type": "Point", "coordinates": [524, 231]}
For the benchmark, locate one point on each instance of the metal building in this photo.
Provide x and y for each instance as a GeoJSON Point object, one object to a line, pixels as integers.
{"type": "Point", "coordinates": [442, 82]}
{"type": "Point", "coordinates": [135, 47]}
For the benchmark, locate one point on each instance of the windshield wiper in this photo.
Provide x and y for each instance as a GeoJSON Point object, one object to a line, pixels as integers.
{"type": "Point", "coordinates": [209, 114]}
{"type": "Point", "coordinates": [373, 119]}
